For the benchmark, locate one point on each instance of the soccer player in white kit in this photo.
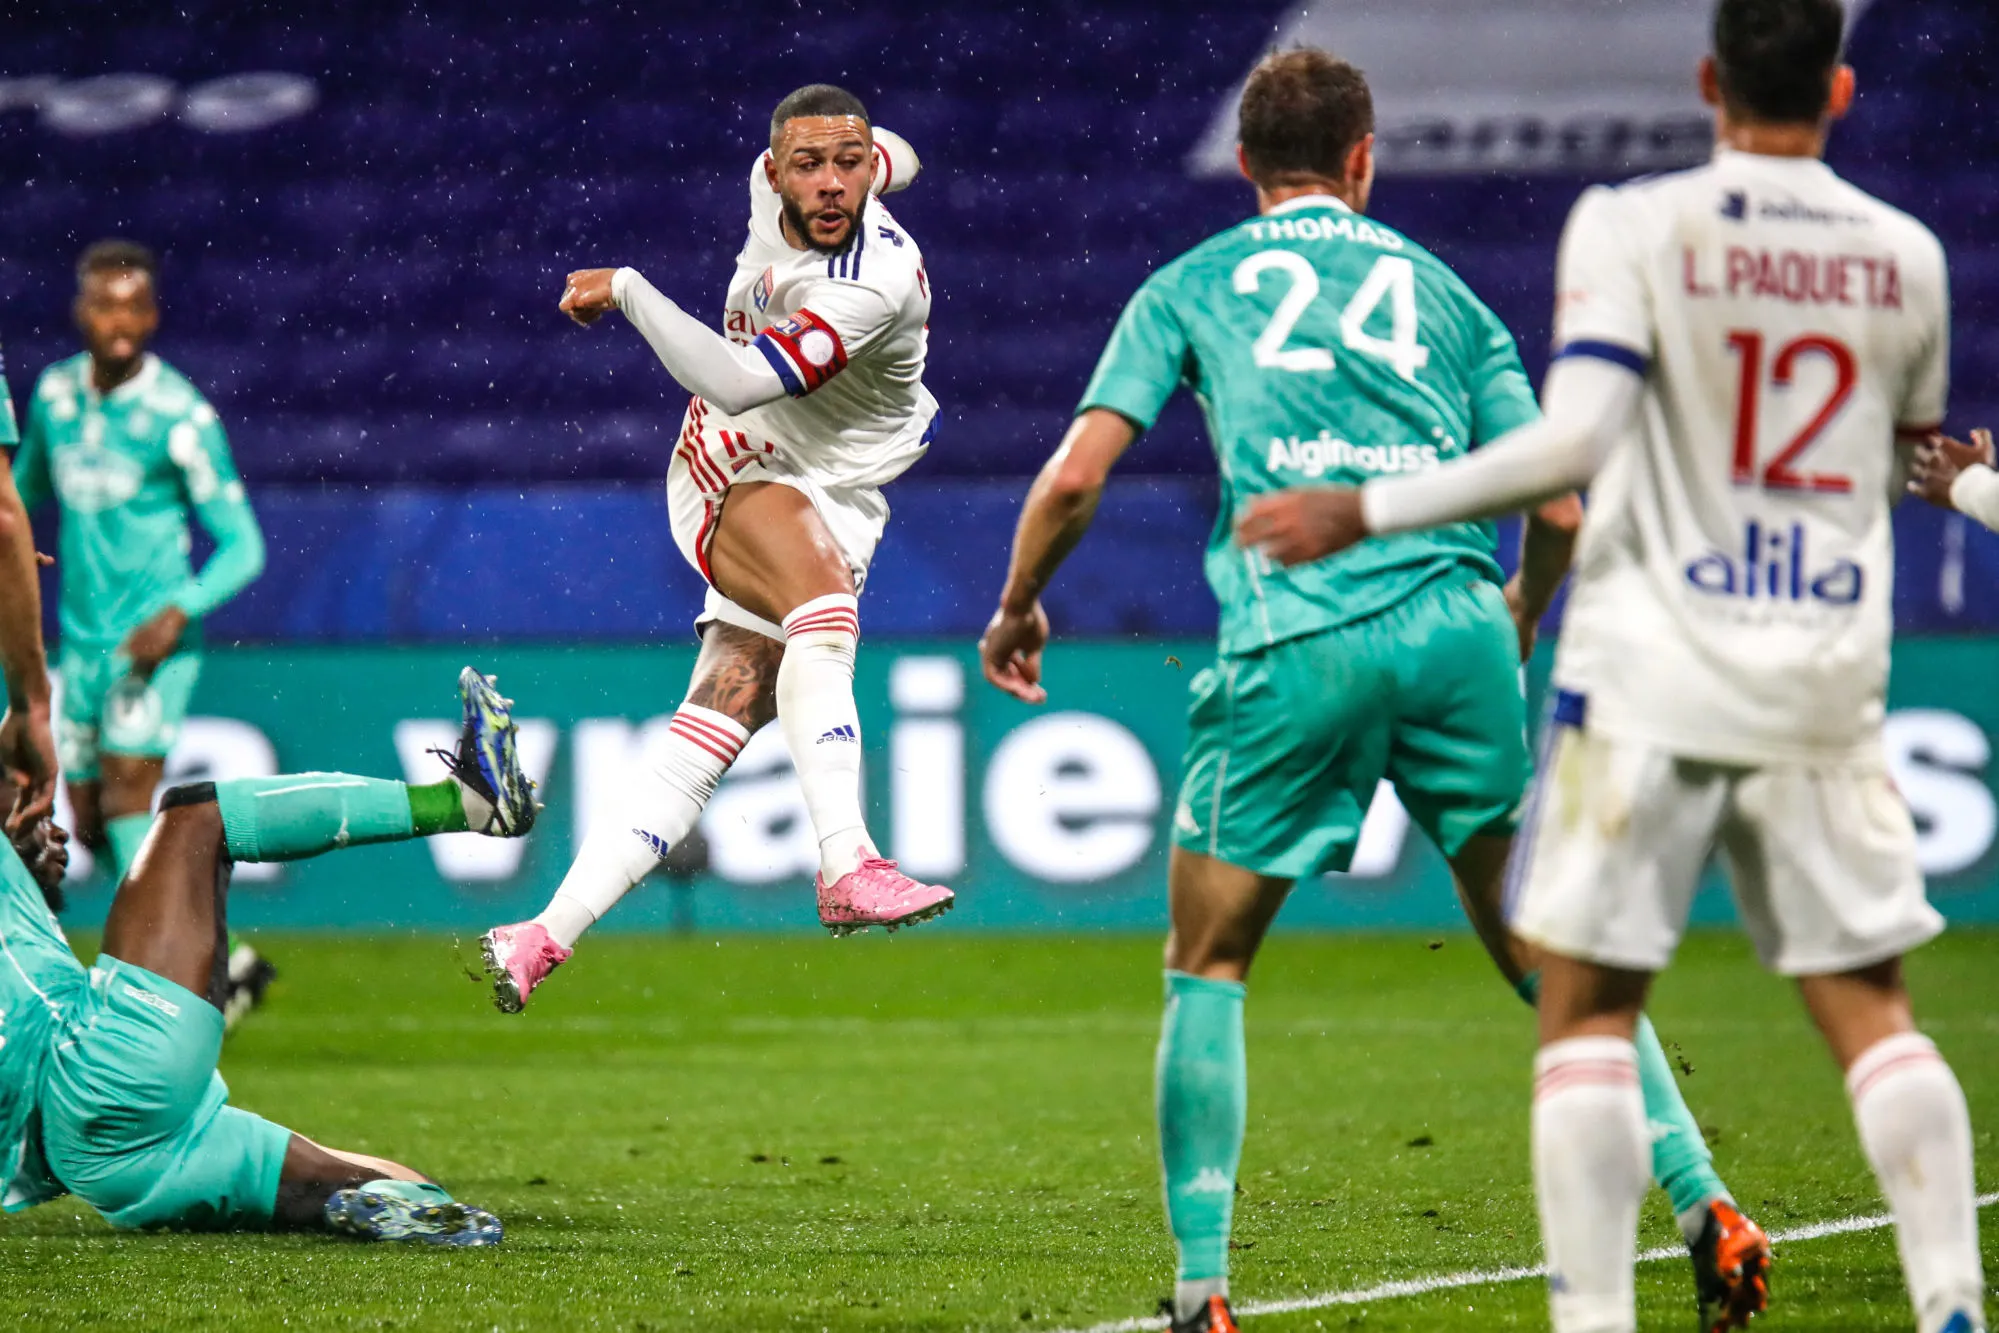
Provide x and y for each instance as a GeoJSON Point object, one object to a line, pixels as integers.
{"type": "Point", "coordinates": [808, 402]}
{"type": "Point", "coordinates": [1740, 347]}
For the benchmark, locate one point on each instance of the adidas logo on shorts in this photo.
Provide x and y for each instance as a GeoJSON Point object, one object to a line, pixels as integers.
{"type": "Point", "coordinates": [842, 732]}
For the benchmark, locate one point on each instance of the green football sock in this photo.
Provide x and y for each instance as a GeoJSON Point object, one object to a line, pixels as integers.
{"type": "Point", "coordinates": [125, 834]}
{"type": "Point", "coordinates": [438, 807]}
{"type": "Point", "coordinates": [303, 814]}
{"type": "Point", "coordinates": [1203, 1102]}
{"type": "Point", "coordinates": [1681, 1160]}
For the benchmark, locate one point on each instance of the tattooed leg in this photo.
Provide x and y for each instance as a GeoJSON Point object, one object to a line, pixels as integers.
{"type": "Point", "coordinates": [732, 694]}
{"type": "Point", "coordinates": [736, 675]}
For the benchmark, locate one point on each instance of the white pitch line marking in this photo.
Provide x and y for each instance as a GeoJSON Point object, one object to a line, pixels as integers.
{"type": "Point", "coordinates": [1486, 1277]}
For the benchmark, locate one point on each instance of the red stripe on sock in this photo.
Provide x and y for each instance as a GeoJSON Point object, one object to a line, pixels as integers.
{"type": "Point", "coordinates": [1898, 1062]}
{"type": "Point", "coordinates": [703, 743]}
{"type": "Point", "coordinates": [826, 620]}
{"type": "Point", "coordinates": [720, 735]}
{"type": "Point", "coordinates": [1602, 1073]}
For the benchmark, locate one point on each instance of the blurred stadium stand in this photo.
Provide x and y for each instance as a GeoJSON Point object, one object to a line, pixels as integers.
{"type": "Point", "coordinates": [366, 289]}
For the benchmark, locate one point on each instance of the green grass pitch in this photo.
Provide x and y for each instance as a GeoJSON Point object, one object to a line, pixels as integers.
{"type": "Point", "coordinates": [944, 1131]}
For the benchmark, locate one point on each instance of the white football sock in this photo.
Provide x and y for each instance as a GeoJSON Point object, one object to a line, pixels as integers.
{"type": "Point", "coordinates": [659, 807]}
{"type": "Point", "coordinates": [815, 706]}
{"type": "Point", "coordinates": [1190, 1298]}
{"type": "Point", "coordinates": [1592, 1166]}
{"type": "Point", "coordinates": [1917, 1134]}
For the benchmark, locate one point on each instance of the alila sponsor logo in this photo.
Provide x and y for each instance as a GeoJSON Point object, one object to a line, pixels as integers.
{"type": "Point", "coordinates": [1775, 564]}
{"type": "Point", "coordinates": [1317, 455]}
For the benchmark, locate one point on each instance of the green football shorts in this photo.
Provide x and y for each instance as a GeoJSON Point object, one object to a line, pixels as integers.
{"type": "Point", "coordinates": [1287, 744]}
{"type": "Point", "coordinates": [135, 1120]}
{"type": "Point", "coordinates": [108, 710]}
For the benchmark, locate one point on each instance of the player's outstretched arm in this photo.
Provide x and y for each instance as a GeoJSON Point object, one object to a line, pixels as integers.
{"type": "Point", "coordinates": [27, 746]}
{"type": "Point", "coordinates": [1058, 511]}
{"type": "Point", "coordinates": [1587, 403]}
{"type": "Point", "coordinates": [705, 363]}
{"type": "Point", "coordinates": [1964, 477]}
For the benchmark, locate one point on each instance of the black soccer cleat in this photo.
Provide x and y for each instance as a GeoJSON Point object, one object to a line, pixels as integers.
{"type": "Point", "coordinates": [1731, 1269]}
{"type": "Point", "coordinates": [487, 761]}
{"type": "Point", "coordinates": [250, 975]}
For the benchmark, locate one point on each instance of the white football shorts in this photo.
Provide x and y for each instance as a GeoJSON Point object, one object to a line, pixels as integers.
{"type": "Point", "coordinates": [714, 453]}
{"type": "Point", "coordinates": [1821, 857]}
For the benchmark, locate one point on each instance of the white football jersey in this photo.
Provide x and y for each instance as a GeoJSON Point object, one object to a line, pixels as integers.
{"type": "Point", "coordinates": [847, 333]}
{"type": "Point", "coordinates": [1734, 583]}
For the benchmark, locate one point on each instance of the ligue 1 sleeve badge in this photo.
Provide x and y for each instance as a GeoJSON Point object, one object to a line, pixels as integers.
{"type": "Point", "coordinates": [761, 293]}
{"type": "Point", "coordinates": [816, 346]}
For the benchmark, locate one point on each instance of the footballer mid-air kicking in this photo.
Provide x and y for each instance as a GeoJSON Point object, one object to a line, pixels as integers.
{"type": "Point", "coordinates": [1722, 677]}
{"type": "Point", "coordinates": [807, 403]}
{"type": "Point", "coordinates": [1323, 343]}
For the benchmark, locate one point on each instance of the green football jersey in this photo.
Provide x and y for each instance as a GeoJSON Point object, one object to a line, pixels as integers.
{"type": "Point", "coordinates": [125, 468]}
{"type": "Point", "coordinates": [9, 433]}
{"type": "Point", "coordinates": [40, 982]}
{"type": "Point", "coordinates": [1324, 348]}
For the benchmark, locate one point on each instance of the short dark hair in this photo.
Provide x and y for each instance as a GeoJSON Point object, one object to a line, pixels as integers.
{"type": "Point", "coordinates": [116, 256]}
{"type": "Point", "coordinates": [816, 99]}
{"type": "Point", "coordinates": [1775, 58]}
{"type": "Point", "coordinates": [1302, 112]}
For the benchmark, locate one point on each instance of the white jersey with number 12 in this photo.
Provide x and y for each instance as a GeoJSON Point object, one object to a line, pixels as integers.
{"type": "Point", "coordinates": [1733, 596]}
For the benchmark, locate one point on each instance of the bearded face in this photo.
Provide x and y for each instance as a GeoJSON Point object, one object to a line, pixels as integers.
{"type": "Point", "coordinates": [820, 167]}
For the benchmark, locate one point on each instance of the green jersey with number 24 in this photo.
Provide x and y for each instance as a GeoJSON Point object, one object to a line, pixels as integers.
{"type": "Point", "coordinates": [1324, 349]}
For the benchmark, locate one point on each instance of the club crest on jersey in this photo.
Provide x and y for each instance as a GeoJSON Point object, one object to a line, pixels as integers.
{"type": "Point", "coordinates": [1774, 565]}
{"type": "Point", "coordinates": [761, 293]}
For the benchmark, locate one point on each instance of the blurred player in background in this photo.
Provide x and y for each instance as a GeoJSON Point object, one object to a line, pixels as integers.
{"type": "Point", "coordinates": [108, 1088]}
{"type": "Point", "coordinates": [1964, 477]}
{"type": "Point", "coordinates": [10, 433]}
{"type": "Point", "coordinates": [805, 406]}
{"type": "Point", "coordinates": [126, 447]}
{"type": "Point", "coordinates": [1321, 343]}
{"type": "Point", "coordinates": [1741, 347]}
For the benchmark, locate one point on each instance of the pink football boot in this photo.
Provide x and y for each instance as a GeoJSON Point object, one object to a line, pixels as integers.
{"type": "Point", "coordinates": [878, 894]}
{"type": "Point", "coordinates": [519, 958]}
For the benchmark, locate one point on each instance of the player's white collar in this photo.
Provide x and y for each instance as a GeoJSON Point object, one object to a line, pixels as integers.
{"type": "Point", "coordinates": [1313, 201]}
{"type": "Point", "coordinates": [1771, 161]}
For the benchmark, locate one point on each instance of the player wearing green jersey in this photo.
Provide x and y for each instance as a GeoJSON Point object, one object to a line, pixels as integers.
{"type": "Point", "coordinates": [108, 1087]}
{"type": "Point", "coordinates": [1322, 345]}
{"type": "Point", "coordinates": [10, 435]}
{"type": "Point", "coordinates": [126, 447]}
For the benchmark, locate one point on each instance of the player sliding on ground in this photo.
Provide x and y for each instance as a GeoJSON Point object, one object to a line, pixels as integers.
{"type": "Point", "coordinates": [809, 403]}
{"type": "Point", "coordinates": [1739, 348]}
{"type": "Point", "coordinates": [108, 1088]}
{"type": "Point", "coordinates": [1322, 343]}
